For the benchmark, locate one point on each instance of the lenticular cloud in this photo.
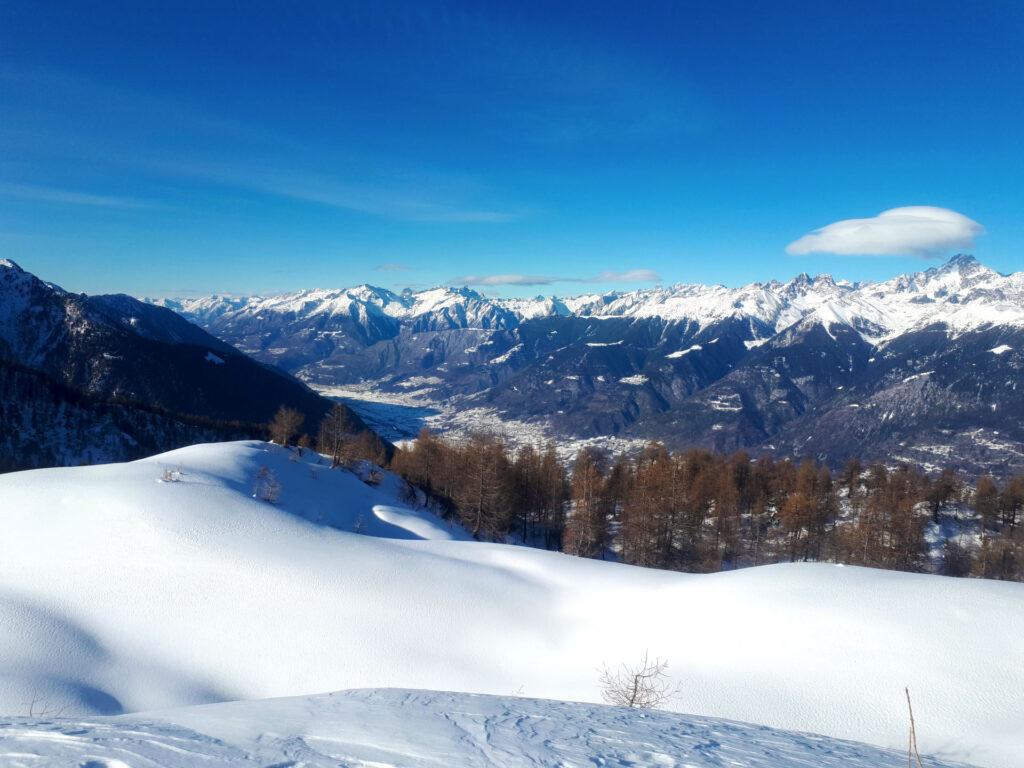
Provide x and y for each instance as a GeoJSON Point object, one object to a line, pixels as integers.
{"type": "Point", "coordinates": [919, 230]}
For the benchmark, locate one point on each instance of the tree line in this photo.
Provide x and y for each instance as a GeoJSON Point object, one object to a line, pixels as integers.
{"type": "Point", "coordinates": [340, 437]}
{"type": "Point", "coordinates": [698, 510]}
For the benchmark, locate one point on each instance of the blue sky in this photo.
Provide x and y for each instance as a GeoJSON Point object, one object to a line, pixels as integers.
{"type": "Point", "coordinates": [254, 147]}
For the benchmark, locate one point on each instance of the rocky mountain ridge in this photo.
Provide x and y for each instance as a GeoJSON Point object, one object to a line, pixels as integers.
{"type": "Point", "coordinates": [921, 366]}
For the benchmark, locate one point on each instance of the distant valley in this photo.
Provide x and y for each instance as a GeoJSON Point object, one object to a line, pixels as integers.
{"type": "Point", "coordinates": [921, 368]}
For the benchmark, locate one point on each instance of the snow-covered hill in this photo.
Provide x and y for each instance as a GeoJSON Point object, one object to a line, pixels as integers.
{"type": "Point", "coordinates": [788, 359]}
{"type": "Point", "coordinates": [163, 583]}
{"type": "Point", "coordinates": [423, 729]}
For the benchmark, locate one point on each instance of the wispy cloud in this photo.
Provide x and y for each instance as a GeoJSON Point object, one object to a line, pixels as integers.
{"type": "Point", "coordinates": [509, 279]}
{"type": "Point", "coordinates": [373, 198]}
{"type": "Point", "coordinates": [69, 197]}
{"type": "Point", "coordinates": [394, 267]}
{"type": "Point", "coordinates": [409, 199]}
{"type": "Point", "coordinates": [140, 133]}
{"type": "Point", "coordinates": [629, 276]}
{"type": "Point", "coordinates": [918, 230]}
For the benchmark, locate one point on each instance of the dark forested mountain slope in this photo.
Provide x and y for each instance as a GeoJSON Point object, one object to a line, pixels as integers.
{"type": "Point", "coordinates": [89, 378]}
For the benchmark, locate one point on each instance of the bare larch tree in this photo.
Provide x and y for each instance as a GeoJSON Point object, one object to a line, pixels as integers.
{"type": "Point", "coordinates": [642, 686]}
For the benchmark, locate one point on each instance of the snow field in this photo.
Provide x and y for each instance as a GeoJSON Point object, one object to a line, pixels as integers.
{"type": "Point", "coordinates": [120, 592]}
{"type": "Point", "coordinates": [423, 729]}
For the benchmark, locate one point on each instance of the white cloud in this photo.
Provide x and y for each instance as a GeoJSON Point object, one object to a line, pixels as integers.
{"type": "Point", "coordinates": [510, 279]}
{"type": "Point", "coordinates": [629, 276]}
{"type": "Point", "coordinates": [52, 195]}
{"type": "Point", "coordinates": [389, 198]}
{"type": "Point", "coordinates": [918, 230]}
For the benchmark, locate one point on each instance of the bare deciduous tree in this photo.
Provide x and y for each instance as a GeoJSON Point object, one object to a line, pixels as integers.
{"type": "Point", "coordinates": [586, 530]}
{"type": "Point", "coordinates": [285, 425]}
{"type": "Point", "coordinates": [642, 686]}
{"type": "Point", "coordinates": [336, 432]}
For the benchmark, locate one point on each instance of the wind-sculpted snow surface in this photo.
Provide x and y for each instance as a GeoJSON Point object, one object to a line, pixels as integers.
{"type": "Point", "coordinates": [414, 729]}
{"type": "Point", "coordinates": [164, 583]}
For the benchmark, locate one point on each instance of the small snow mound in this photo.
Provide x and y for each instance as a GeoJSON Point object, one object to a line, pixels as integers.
{"type": "Point", "coordinates": [1000, 349]}
{"type": "Point", "coordinates": [212, 358]}
{"type": "Point", "coordinates": [636, 380]}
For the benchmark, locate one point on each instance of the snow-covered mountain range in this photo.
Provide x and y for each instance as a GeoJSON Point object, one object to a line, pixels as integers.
{"type": "Point", "coordinates": [921, 367]}
{"type": "Point", "coordinates": [962, 293]}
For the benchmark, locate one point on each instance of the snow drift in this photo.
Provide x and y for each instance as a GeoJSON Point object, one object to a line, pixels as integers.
{"type": "Point", "coordinates": [122, 592]}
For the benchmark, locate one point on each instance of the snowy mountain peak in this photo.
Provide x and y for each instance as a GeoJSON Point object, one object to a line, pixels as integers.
{"type": "Point", "coordinates": [963, 266]}
{"type": "Point", "coordinates": [14, 278]}
{"type": "Point", "coordinates": [961, 293]}
{"type": "Point", "coordinates": [369, 292]}
{"type": "Point", "coordinates": [962, 260]}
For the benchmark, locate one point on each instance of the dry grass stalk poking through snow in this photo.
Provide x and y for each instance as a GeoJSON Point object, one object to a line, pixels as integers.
{"type": "Point", "coordinates": [643, 686]}
{"type": "Point", "coordinates": [37, 708]}
{"type": "Point", "coordinates": [912, 742]}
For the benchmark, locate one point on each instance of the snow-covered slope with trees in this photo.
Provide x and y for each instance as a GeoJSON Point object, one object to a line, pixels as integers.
{"type": "Point", "coordinates": [775, 366]}
{"type": "Point", "coordinates": [423, 729]}
{"type": "Point", "coordinates": [164, 583]}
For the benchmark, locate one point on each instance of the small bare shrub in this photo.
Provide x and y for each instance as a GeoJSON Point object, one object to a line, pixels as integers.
{"type": "Point", "coordinates": [266, 488]}
{"type": "Point", "coordinates": [642, 686]}
{"type": "Point", "coordinates": [37, 708]}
